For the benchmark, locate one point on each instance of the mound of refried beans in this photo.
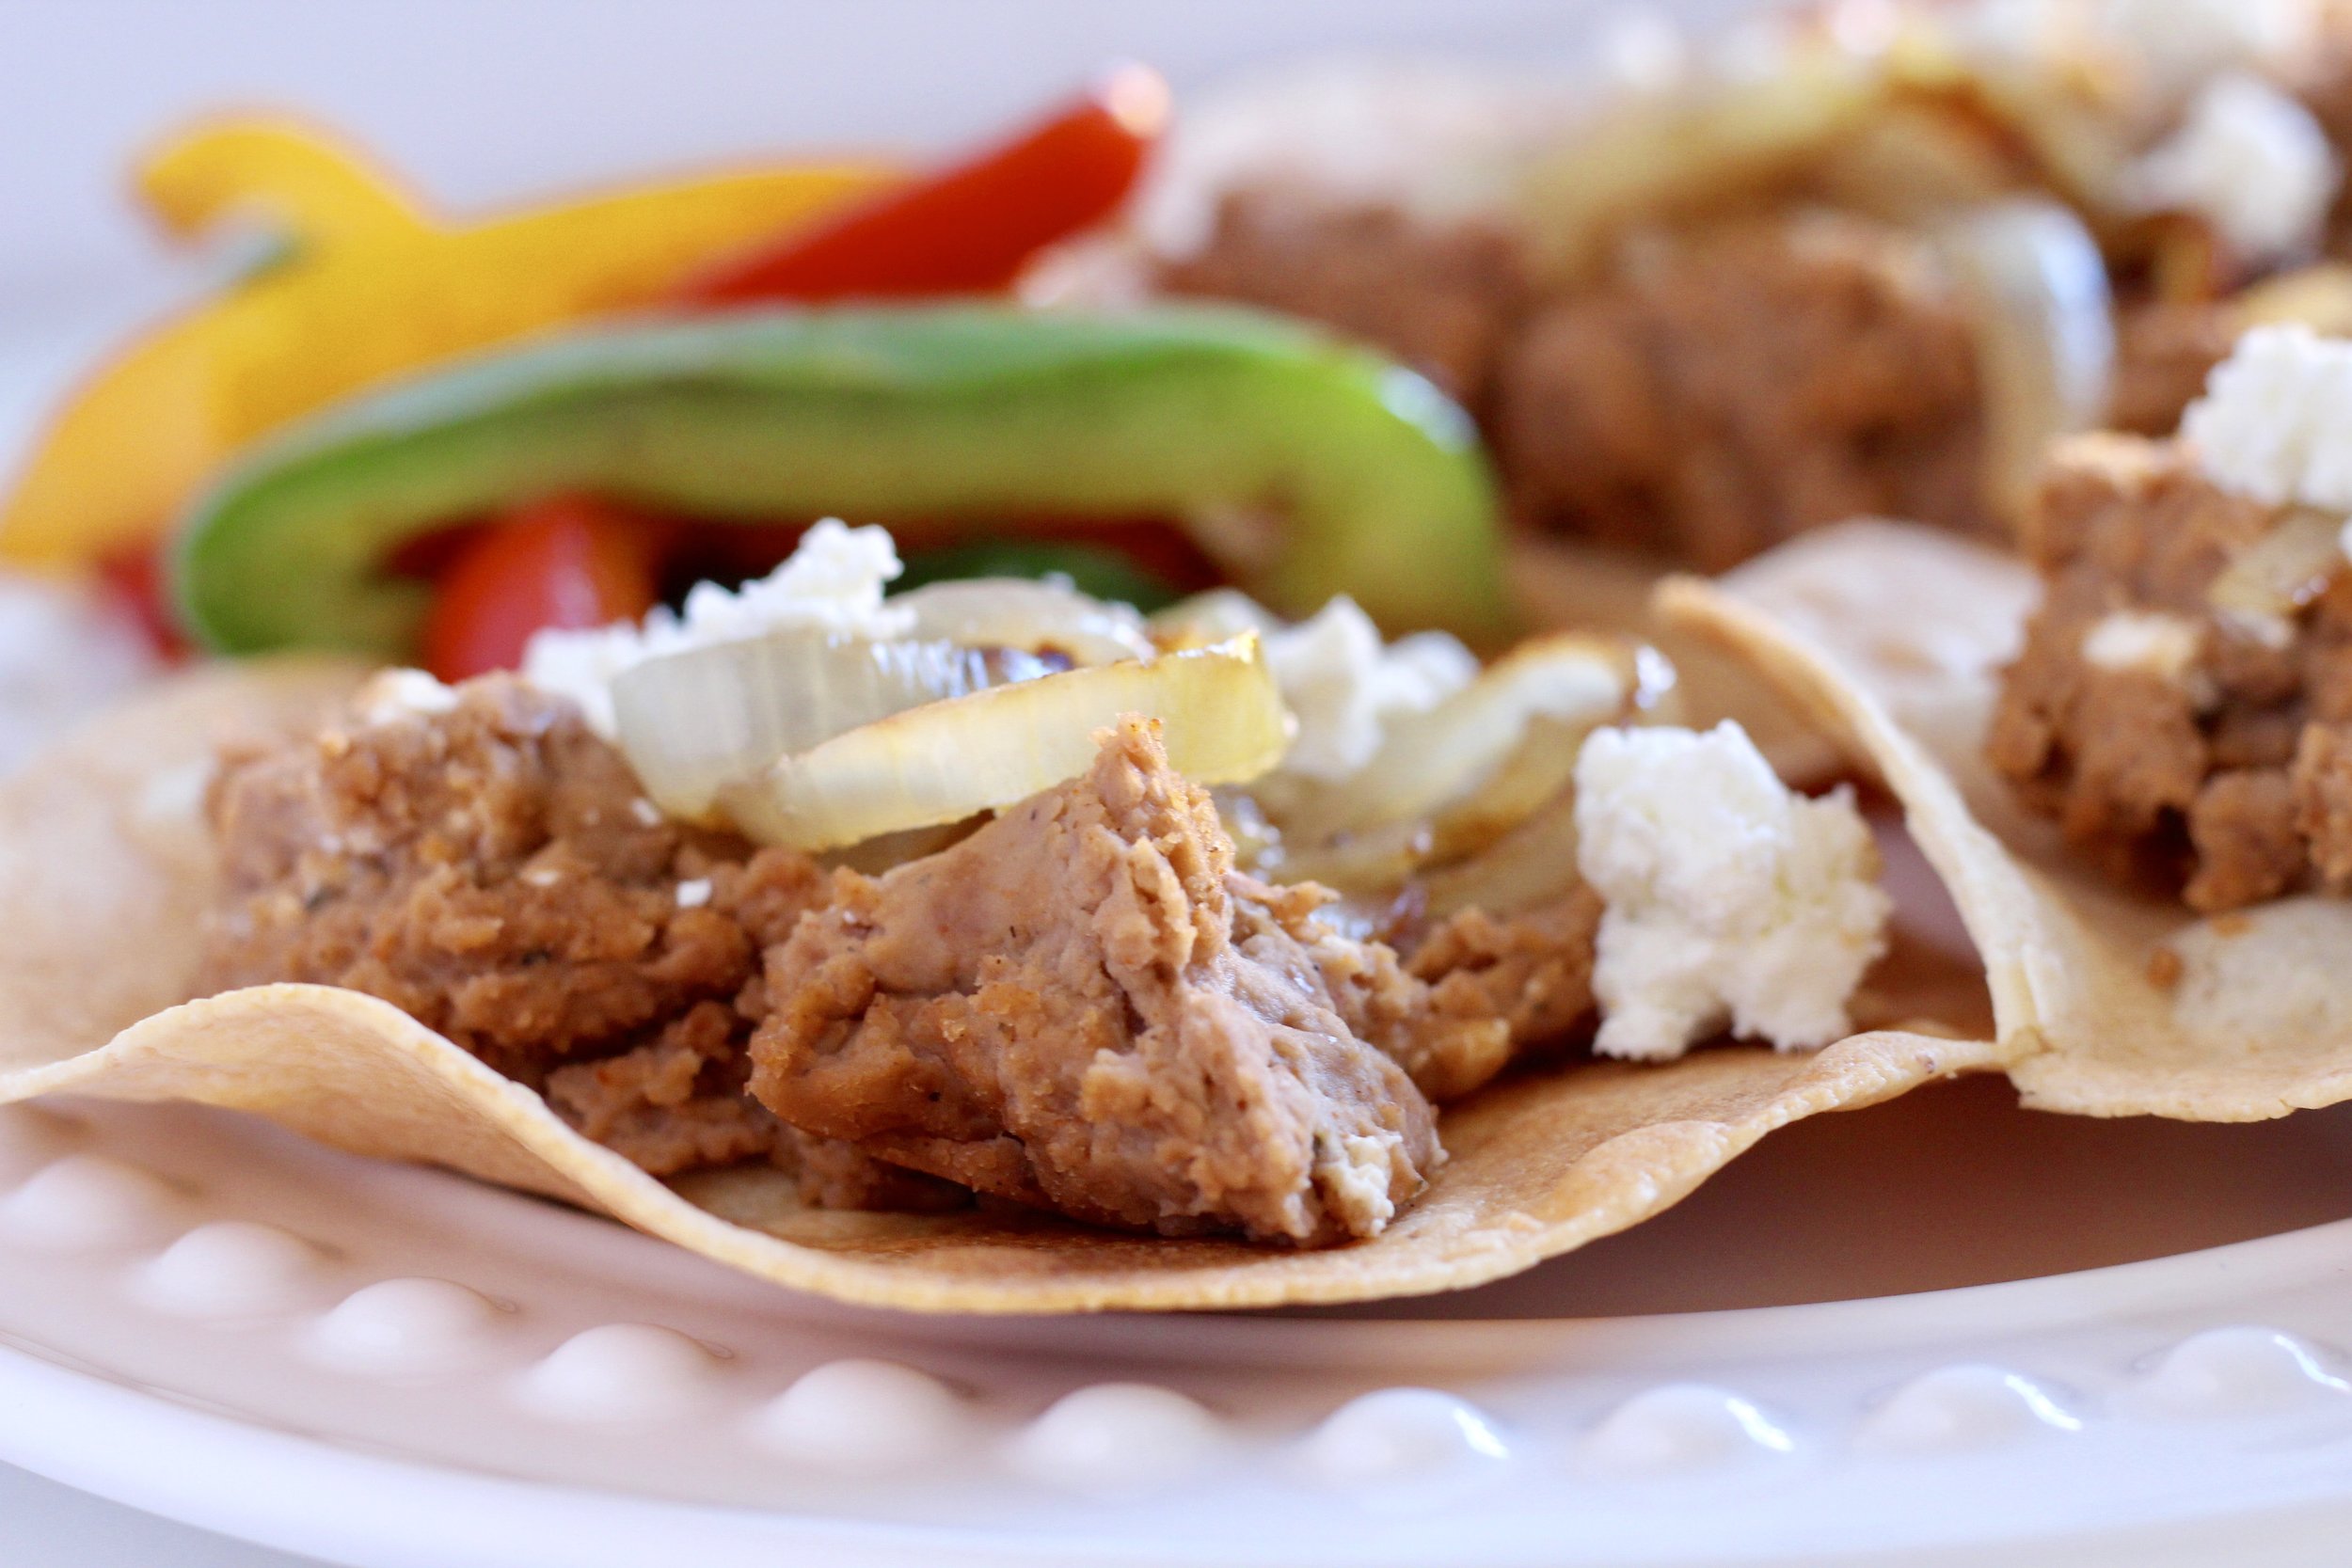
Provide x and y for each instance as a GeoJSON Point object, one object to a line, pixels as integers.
{"type": "Point", "coordinates": [1711, 391]}
{"type": "Point", "coordinates": [2165, 729]}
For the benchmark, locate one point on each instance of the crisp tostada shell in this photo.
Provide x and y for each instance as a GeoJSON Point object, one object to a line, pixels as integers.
{"type": "Point", "coordinates": [105, 871]}
{"type": "Point", "coordinates": [1893, 637]}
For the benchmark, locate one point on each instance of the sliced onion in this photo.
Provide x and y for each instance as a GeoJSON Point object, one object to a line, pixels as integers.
{"type": "Point", "coordinates": [1685, 150]}
{"type": "Point", "coordinates": [1377, 861]}
{"type": "Point", "coordinates": [2269, 580]}
{"type": "Point", "coordinates": [1383, 858]}
{"type": "Point", "coordinates": [1913, 159]}
{"type": "Point", "coordinates": [1532, 865]}
{"type": "Point", "coordinates": [2045, 331]}
{"type": "Point", "coordinates": [1212, 617]}
{"type": "Point", "coordinates": [1021, 613]}
{"type": "Point", "coordinates": [889, 852]}
{"type": "Point", "coordinates": [691, 722]}
{"type": "Point", "coordinates": [2066, 118]}
{"type": "Point", "coordinates": [1257, 842]}
{"type": "Point", "coordinates": [1221, 717]}
{"type": "Point", "coordinates": [1432, 760]}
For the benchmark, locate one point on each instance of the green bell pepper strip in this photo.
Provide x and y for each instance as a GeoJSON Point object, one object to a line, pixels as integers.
{"type": "Point", "coordinates": [1375, 483]}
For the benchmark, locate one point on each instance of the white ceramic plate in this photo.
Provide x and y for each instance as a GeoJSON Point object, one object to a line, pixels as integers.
{"type": "Point", "coordinates": [212, 1319]}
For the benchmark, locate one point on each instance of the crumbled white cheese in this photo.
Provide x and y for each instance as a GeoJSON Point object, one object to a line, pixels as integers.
{"type": "Point", "coordinates": [1353, 1173]}
{"type": "Point", "coordinates": [2149, 642]}
{"type": "Point", "coordinates": [2180, 42]}
{"type": "Point", "coordinates": [647, 814]}
{"type": "Point", "coordinates": [1728, 897]}
{"type": "Point", "coordinates": [2275, 423]}
{"type": "Point", "coordinates": [2249, 160]}
{"type": "Point", "coordinates": [834, 580]}
{"type": "Point", "coordinates": [543, 876]}
{"type": "Point", "coordinates": [693, 893]}
{"type": "Point", "coordinates": [394, 694]}
{"type": "Point", "coordinates": [1341, 684]}
{"type": "Point", "coordinates": [1344, 686]}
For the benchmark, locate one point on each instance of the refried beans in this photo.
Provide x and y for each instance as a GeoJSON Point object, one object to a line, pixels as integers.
{"type": "Point", "coordinates": [1082, 1006]}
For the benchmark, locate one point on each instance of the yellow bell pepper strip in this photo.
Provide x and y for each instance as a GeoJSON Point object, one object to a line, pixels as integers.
{"type": "Point", "coordinates": [1358, 475]}
{"type": "Point", "coordinates": [370, 297]}
{"type": "Point", "coordinates": [303, 182]}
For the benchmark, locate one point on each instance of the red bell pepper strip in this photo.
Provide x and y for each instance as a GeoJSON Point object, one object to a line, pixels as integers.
{"type": "Point", "coordinates": [970, 228]}
{"type": "Point", "coordinates": [136, 579]}
{"type": "Point", "coordinates": [567, 562]}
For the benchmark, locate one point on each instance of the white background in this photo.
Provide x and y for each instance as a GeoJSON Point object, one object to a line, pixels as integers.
{"type": "Point", "coordinates": [482, 101]}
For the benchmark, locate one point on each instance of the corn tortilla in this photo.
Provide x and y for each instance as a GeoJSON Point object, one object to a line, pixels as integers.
{"type": "Point", "coordinates": [105, 871]}
{"type": "Point", "coordinates": [1893, 637]}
